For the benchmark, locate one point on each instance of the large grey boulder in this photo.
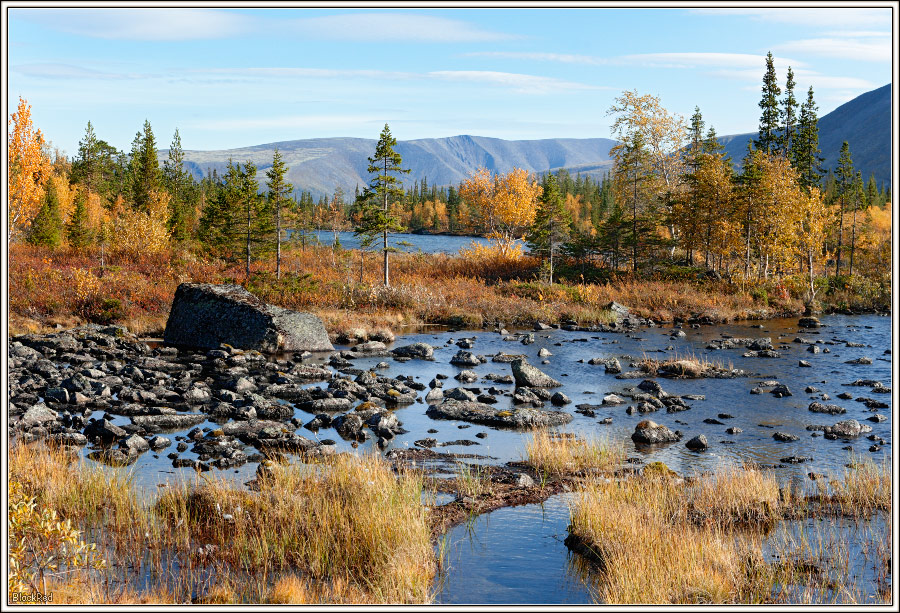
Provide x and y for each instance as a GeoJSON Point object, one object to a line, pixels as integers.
{"type": "Point", "coordinates": [205, 316]}
{"type": "Point", "coordinates": [527, 375]}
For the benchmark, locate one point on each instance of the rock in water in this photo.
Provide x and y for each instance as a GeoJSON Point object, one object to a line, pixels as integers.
{"type": "Point", "coordinates": [205, 316]}
{"type": "Point", "coordinates": [527, 375]}
{"type": "Point", "coordinates": [650, 433]}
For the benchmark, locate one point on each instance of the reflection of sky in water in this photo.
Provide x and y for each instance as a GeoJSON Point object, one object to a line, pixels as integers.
{"type": "Point", "coordinates": [512, 555]}
{"type": "Point", "coordinates": [517, 555]}
{"type": "Point", "coordinates": [758, 415]}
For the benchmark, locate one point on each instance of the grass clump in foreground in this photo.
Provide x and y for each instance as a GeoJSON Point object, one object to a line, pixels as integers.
{"type": "Point", "coordinates": [552, 454]}
{"type": "Point", "coordinates": [862, 487]}
{"type": "Point", "coordinates": [350, 520]}
{"type": "Point", "coordinates": [660, 540]}
{"type": "Point", "coordinates": [345, 531]}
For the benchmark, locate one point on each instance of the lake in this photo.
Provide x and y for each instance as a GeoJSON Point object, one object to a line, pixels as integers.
{"type": "Point", "coordinates": [410, 243]}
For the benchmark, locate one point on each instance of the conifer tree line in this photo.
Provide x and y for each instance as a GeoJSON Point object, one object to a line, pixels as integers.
{"type": "Point", "coordinates": [672, 198]}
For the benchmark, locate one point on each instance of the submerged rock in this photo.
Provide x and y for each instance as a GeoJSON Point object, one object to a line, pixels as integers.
{"type": "Point", "coordinates": [480, 413]}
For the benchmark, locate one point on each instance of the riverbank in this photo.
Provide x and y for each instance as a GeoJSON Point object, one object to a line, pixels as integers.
{"type": "Point", "coordinates": [52, 289]}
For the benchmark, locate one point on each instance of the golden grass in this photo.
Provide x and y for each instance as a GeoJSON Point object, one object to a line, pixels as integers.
{"type": "Point", "coordinates": [658, 539]}
{"type": "Point", "coordinates": [350, 519]}
{"type": "Point", "coordinates": [96, 496]}
{"type": "Point", "coordinates": [357, 531]}
{"type": "Point", "coordinates": [472, 480]}
{"type": "Point", "coordinates": [662, 540]}
{"type": "Point", "coordinates": [550, 453]}
{"type": "Point", "coordinates": [862, 487]}
{"type": "Point", "coordinates": [645, 558]}
{"type": "Point", "coordinates": [737, 496]}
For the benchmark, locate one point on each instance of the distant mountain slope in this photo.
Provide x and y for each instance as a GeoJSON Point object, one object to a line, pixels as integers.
{"type": "Point", "coordinates": [319, 165]}
{"type": "Point", "coordinates": [864, 122]}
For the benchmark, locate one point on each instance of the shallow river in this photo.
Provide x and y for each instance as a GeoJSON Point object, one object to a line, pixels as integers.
{"type": "Point", "coordinates": [516, 555]}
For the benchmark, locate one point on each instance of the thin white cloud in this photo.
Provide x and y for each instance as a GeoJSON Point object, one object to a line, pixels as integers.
{"type": "Point", "coordinates": [820, 16]}
{"type": "Point", "coordinates": [654, 60]}
{"type": "Point", "coordinates": [311, 73]}
{"type": "Point", "coordinates": [802, 77]}
{"type": "Point", "coordinates": [858, 33]}
{"type": "Point", "coordinates": [292, 121]}
{"type": "Point", "coordinates": [192, 23]}
{"type": "Point", "coordinates": [565, 58]}
{"type": "Point", "coordinates": [138, 23]}
{"type": "Point", "coordinates": [48, 70]}
{"type": "Point", "coordinates": [694, 60]}
{"type": "Point", "coordinates": [521, 83]}
{"type": "Point", "coordinates": [394, 27]}
{"type": "Point", "coordinates": [845, 48]}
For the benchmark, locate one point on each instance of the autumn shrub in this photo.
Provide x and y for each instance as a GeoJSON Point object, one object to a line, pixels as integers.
{"type": "Point", "coordinates": [43, 547]}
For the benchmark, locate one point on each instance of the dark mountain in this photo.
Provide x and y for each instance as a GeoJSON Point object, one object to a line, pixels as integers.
{"type": "Point", "coordinates": [864, 122]}
{"type": "Point", "coordinates": [321, 164]}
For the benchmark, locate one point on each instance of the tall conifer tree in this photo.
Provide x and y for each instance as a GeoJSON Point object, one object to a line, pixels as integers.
{"type": "Point", "coordinates": [144, 166]}
{"type": "Point", "coordinates": [279, 191]}
{"type": "Point", "coordinates": [788, 117]}
{"type": "Point", "coordinates": [805, 149]}
{"type": "Point", "coordinates": [768, 121]}
{"type": "Point", "coordinates": [844, 180]}
{"type": "Point", "coordinates": [376, 218]}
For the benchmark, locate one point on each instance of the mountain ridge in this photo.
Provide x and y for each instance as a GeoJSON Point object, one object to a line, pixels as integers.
{"type": "Point", "coordinates": [319, 165]}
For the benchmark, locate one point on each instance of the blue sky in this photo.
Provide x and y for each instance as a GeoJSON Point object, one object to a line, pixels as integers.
{"type": "Point", "coordinates": [232, 78]}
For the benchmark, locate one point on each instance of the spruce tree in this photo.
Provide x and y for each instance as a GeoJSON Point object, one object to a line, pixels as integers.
{"type": "Point", "coordinates": [552, 224]}
{"type": "Point", "coordinates": [768, 121]}
{"type": "Point", "coordinates": [77, 232]}
{"type": "Point", "coordinates": [85, 167]}
{"type": "Point", "coordinates": [144, 167]}
{"type": "Point", "coordinates": [179, 184]}
{"type": "Point", "coordinates": [788, 117]}
{"type": "Point", "coordinates": [376, 218]}
{"type": "Point", "coordinates": [47, 227]}
{"type": "Point", "coordinates": [805, 148]}
{"type": "Point", "coordinates": [279, 192]}
{"type": "Point", "coordinates": [844, 183]}
{"type": "Point", "coordinates": [872, 192]}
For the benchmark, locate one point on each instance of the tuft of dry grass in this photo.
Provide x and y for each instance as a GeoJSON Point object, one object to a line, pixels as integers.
{"type": "Point", "coordinates": [472, 480]}
{"type": "Point", "coordinates": [350, 519]}
{"type": "Point", "coordinates": [645, 557]}
{"type": "Point", "coordinates": [357, 531]}
{"type": "Point", "coordinates": [552, 454]}
{"type": "Point", "coordinates": [862, 487]}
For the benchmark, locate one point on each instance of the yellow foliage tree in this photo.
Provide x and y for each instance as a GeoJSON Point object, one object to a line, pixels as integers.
{"type": "Point", "coordinates": [136, 232]}
{"type": "Point", "coordinates": [662, 133]}
{"type": "Point", "coordinates": [812, 219]}
{"type": "Point", "coordinates": [505, 204]}
{"type": "Point", "coordinates": [28, 168]}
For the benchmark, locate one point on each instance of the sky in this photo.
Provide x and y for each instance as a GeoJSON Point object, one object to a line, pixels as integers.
{"type": "Point", "coordinates": [228, 78]}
